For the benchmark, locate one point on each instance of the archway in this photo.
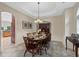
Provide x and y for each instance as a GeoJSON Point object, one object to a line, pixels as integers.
{"type": "Point", "coordinates": [7, 30]}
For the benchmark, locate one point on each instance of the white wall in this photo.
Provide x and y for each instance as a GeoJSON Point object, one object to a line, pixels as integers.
{"type": "Point", "coordinates": [64, 25]}
{"type": "Point", "coordinates": [0, 32]}
{"type": "Point", "coordinates": [57, 24]}
{"type": "Point", "coordinates": [77, 25]}
{"type": "Point", "coordinates": [77, 20]}
{"type": "Point", "coordinates": [70, 21]}
{"type": "Point", "coordinates": [19, 17]}
{"type": "Point", "coordinates": [57, 27]}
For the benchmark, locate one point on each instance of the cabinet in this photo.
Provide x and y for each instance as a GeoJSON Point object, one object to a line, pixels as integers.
{"type": "Point", "coordinates": [44, 27]}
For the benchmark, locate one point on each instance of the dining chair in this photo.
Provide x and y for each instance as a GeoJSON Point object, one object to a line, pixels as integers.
{"type": "Point", "coordinates": [46, 42]}
{"type": "Point", "coordinates": [31, 46]}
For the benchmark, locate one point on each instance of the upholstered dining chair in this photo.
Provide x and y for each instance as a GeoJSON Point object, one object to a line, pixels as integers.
{"type": "Point", "coordinates": [46, 42]}
{"type": "Point", "coordinates": [31, 46]}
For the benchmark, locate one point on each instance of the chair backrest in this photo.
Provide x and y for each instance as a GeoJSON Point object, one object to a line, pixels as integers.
{"type": "Point", "coordinates": [25, 41]}
{"type": "Point", "coordinates": [49, 36]}
{"type": "Point", "coordinates": [75, 36]}
{"type": "Point", "coordinates": [29, 43]}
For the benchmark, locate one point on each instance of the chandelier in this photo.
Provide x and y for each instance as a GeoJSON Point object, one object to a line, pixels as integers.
{"type": "Point", "coordinates": [38, 18]}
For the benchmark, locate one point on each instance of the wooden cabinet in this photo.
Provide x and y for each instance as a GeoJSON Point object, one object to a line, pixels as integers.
{"type": "Point", "coordinates": [44, 27]}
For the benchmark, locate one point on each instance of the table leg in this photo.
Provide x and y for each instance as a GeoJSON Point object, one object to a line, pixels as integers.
{"type": "Point", "coordinates": [73, 47]}
{"type": "Point", "coordinates": [66, 43]}
{"type": "Point", "coordinates": [76, 51]}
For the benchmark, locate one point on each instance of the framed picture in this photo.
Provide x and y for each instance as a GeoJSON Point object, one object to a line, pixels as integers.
{"type": "Point", "coordinates": [26, 25]}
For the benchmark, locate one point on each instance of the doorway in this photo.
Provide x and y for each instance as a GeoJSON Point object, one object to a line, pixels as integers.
{"type": "Point", "coordinates": [7, 30]}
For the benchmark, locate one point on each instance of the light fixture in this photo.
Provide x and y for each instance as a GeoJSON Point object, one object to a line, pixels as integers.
{"type": "Point", "coordinates": [38, 18]}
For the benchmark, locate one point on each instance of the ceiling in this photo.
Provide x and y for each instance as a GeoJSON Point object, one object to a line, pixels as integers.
{"type": "Point", "coordinates": [46, 8]}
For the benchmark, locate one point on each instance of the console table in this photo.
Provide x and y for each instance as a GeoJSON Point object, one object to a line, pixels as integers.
{"type": "Point", "coordinates": [75, 43]}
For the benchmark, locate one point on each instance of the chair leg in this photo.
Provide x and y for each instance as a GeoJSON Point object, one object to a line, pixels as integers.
{"type": "Point", "coordinates": [25, 52]}
{"type": "Point", "coordinates": [40, 51]}
{"type": "Point", "coordinates": [46, 50]}
{"type": "Point", "coordinates": [33, 54]}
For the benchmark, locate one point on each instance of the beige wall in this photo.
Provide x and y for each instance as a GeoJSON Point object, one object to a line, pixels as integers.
{"type": "Point", "coordinates": [0, 32]}
{"type": "Point", "coordinates": [64, 25]}
{"type": "Point", "coordinates": [19, 17]}
{"type": "Point", "coordinates": [70, 21]}
{"type": "Point", "coordinates": [57, 24]}
{"type": "Point", "coordinates": [57, 27]}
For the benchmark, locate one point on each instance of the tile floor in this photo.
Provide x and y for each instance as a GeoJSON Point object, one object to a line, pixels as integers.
{"type": "Point", "coordinates": [56, 50]}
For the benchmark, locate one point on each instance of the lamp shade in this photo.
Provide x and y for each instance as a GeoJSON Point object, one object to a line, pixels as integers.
{"type": "Point", "coordinates": [38, 21]}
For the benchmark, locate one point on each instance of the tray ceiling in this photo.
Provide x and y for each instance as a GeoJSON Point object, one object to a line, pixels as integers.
{"type": "Point", "coordinates": [46, 8]}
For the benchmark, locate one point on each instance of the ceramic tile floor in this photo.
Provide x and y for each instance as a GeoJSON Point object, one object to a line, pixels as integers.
{"type": "Point", "coordinates": [6, 42]}
{"type": "Point", "coordinates": [56, 50]}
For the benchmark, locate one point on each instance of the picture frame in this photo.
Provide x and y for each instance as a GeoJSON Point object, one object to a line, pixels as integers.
{"type": "Point", "coordinates": [26, 25]}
